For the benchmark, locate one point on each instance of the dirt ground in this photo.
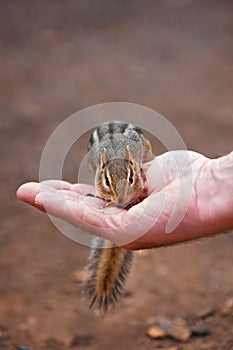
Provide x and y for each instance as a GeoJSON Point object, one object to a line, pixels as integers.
{"type": "Point", "coordinates": [57, 57]}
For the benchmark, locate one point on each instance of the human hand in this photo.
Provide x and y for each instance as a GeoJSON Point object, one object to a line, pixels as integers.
{"type": "Point", "coordinates": [207, 212]}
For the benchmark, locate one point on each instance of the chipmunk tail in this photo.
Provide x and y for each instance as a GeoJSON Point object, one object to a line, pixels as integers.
{"type": "Point", "coordinates": [108, 266]}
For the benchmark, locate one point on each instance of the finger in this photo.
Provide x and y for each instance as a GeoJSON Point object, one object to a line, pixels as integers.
{"type": "Point", "coordinates": [84, 189]}
{"type": "Point", "coordinates": [57, 184]}
{"type": "Point", "coordinates": [27, 193]}
{"type": "Point", "coordinates": [64, 185]}
{"type": "Point", "coordinates": [70, 195]}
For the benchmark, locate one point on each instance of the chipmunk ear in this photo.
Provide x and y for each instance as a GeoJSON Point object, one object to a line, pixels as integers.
{"type": "Point", "coordinates": [104, 158]}
{"type": "Point", "coordinates": [129, 155]}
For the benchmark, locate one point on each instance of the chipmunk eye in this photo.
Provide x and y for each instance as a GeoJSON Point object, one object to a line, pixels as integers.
{"type": "Point", "coordinates": [131, 177]}
{"type": "Point", "coordinates": [107, 182]}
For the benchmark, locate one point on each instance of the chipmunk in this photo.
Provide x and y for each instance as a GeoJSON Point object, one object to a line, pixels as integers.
{"type": "Point", "coordinates": [116, 153]}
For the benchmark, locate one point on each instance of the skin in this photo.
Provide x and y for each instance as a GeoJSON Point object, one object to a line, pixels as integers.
{"type": "Point", "coordinates": [209, 210]}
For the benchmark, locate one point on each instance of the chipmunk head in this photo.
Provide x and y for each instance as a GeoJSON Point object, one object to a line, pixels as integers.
{"type": "Point", "coordinates": [119, 180]}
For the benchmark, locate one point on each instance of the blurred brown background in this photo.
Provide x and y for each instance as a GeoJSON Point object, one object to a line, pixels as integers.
{"type": "Point", "coordinates": [57, 57]}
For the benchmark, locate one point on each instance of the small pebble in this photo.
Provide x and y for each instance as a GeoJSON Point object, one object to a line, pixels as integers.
{"type": "Point", "coordinates": [205, 313]}
{"type": "Point", "coordinates": [80, 276]}
{"type": "Point", "coordinates": [200, 331]}
{"type": "Point", "coordinates": [227, 308]}
{"type": "Point", "coordinates": [54, 344]}
{"type": "Point", "coordinates": [176, 328]}
{"type": "Point", "coordinates": [23, 347]}
{"type": "Point", "coordinates": [82, 340]}
{"type": "Point", "coordinates": [155, 332]}
{"type": "Point", "coordinates": [3, 327]}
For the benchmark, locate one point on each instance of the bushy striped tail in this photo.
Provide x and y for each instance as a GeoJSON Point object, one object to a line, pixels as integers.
{"type": "Point", "coordinates": [109, 266]}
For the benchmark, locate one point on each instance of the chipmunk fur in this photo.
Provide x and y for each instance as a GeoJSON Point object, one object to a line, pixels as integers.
{"type": "Point", "coordinates": [116, 153]}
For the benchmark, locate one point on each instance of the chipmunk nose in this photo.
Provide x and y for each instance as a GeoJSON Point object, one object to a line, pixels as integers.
{"type": "Point", "coordinates": [121, 202]}
{"type": "Point", "coordinates": [120, 189]}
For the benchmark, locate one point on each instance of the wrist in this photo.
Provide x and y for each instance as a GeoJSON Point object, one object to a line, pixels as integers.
{"type": "Point", "coordinates": [222, 176]}
{"type": "Point", "coordinates": [223, 169]}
